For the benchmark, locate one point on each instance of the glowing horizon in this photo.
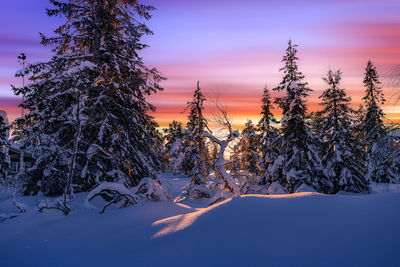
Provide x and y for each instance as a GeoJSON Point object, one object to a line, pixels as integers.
{"type": "Point", "coordinates": [234, 49]}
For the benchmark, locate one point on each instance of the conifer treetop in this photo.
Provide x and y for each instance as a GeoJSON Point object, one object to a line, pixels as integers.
{"type": "Point", "coordinates": [335, 100]}
{"type": "Point", "coordinates": [292, 82]}
{"type": "Point", "coordinates": [374, 116]}
{"type": "Point", "coordinates": [290, 69]}
{"type": "Point", "coordinates": [374, 95]}
{"type": "Point", "coordinates": [195, 117]}
{"type": "Point", "coordinates": [267, 117]}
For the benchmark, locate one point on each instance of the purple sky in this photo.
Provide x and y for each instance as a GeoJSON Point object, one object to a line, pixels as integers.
{"type": "Point", "coordinates": [233, 47]}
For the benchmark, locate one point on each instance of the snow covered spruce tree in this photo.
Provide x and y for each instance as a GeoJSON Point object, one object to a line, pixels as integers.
{"type": "Point", "coordinates": [173, 133]}
{"type": "Point", "coordinates": [298, 161]}
{"type": "Point", "coordinates": [373, 120]}
{"type": "Point", "coordinates": [88, 120]}
{"type": "Point", "coordinates": [245, 152]}
{"type": "Point", "coordinates": [195, 161]}
{"type": "Point", "coordinates": [173, 145]}
{"type": "Point", "coordinates": [383, 162]}
{"type": "Point", "coordinates": [342, 167]}
{"type": "Point", "coordinates": [4, 157]}
{"type": "Point", "coordinates": [268, 135]}
{"type": "Point", "coordinates": [358, 132]}
{"type": "Point", "coordinates": [378, 167]}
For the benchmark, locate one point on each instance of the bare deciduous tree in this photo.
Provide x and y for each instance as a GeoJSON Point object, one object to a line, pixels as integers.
{"type": "Point", "coordinates": [392, 81]}
{"type": "Point", "coordinates": [222, 119]}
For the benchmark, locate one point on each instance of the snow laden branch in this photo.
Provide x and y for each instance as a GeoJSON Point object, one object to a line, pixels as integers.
{"type": "Point", "coordinates": [114, 194]}
{"type": "Point", "coordinates": [59, 204]}
{"type": "Point", "coordinates": [152, 190]}
{"type": "Point", "coordinates": [121, 197]}
{"type": "Point", "coordinates": [223, 120]}
{"type": "Point", "coordinates": [229, 181]}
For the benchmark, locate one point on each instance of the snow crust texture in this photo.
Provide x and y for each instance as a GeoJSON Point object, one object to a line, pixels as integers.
{"type": "Point", "coordinates": [301, 229]}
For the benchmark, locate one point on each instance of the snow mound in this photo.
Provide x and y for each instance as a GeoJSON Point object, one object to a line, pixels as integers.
{"type": "Point", "coordinates": [276, 189]}
{"type": "Point", "coordinates": [183, 221]}
{"type": "Point", "coordinates": [152, 190]}
{"type": "Point", "coordinates": [305, 188]}
{"type": "Point", "coordinates": [303, 229]}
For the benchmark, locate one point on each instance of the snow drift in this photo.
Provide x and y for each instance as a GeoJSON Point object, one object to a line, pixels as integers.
{"type": "Point", "coordinates": [302, 229]}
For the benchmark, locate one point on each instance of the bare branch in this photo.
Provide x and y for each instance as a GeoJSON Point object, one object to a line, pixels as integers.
{"type": "Point", "coordinates": [222, 119]}
{"type": "Point", "coordinates": [221, 116]}
{"type": "Point", "coordinates": [114, 194]}
{"type": "Point", "coordinates": [58, 205]}
{"type": "Point", "coordinates": [123, 200]}
{"type": "Point", "coordinates": [392, 81]}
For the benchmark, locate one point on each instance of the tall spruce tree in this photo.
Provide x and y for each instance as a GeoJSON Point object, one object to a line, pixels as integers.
{"type": "Point", "coordinates": [343, 168]}
{"type": "Point", "coordinates": [298, 161]}
{"type": "Point", "coordinates": [378, 167]}
{"type": "Point", "coordinates": [268, 134]}
{"type": "Point", "coordinates": [195, 160]}
{"type": "Point", "coordinates": [373, 119]}
{"type": "Point", "coordinates": [291, 74]}
{"type": "Point", "coordinates": [88, 118]}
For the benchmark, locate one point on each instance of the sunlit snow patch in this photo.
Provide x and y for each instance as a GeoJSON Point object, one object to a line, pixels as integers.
{"type": "Point", "coordinates": [180, 222]}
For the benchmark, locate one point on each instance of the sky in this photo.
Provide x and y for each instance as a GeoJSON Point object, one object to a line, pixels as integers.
{"type": "Point", "coordinates": [234, 48]}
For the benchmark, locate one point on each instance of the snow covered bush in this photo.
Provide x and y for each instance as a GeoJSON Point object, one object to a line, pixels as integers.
{"type": "Point", "coordinates": [151, 189]}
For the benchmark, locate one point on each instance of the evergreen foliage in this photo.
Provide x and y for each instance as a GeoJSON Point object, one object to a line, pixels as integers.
{"type": "Point", "coordinates": [267, 146]}
{"type": "Point", "coordinates": [291, 74]}
{"type": "Point", "coordinates": [373, 119]}
{"type": "Point", "coordinates": [88, 120]}
{"type": "Point", "coordinates": [245, 153]}
{"type": "Point", "coordinates": [195, 149]}
{"type": "Point", "coordinates": [298, 161]}
{"type": "Point", "coordinates": [173, 138]}
{"type": "Point", "coordinates": [383, 159]}
{"type": "Point", "coordinates": [359, 134]}
{"type": "Point", "coordinates": [173, 133]}
{"type": "Point", "coordinates": [376, 141]}
{"type": "Point", "coordinates": [342, 167]}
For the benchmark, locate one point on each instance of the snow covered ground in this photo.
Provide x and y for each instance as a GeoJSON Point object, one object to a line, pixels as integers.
{"type": "Point", "coordinates": [303, 229]}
